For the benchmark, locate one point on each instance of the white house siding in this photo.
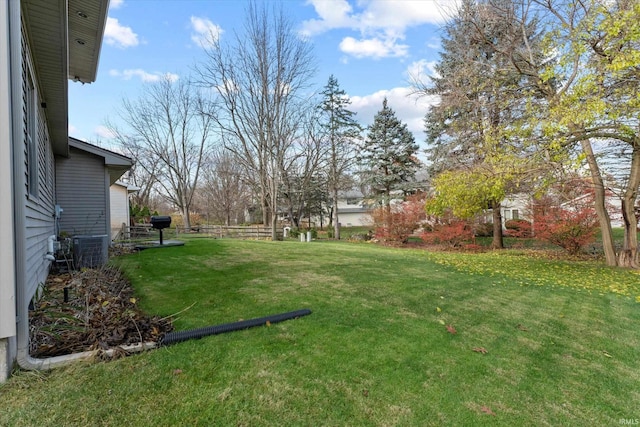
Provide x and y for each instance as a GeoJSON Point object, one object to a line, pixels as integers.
{"type": "Point", "coordinates": [84, 174]}
{"type": "Point", "coordinates": [352, 210]}
{"type": "Point", "coordinates": [119, 207]}
{"type": "Point", "coordinates": [353, 219]}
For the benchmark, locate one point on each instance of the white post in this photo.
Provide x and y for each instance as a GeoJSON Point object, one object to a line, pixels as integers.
{"type": "Point", "coordinates": [308, 236]}
{"type": "Point", "coordinates": [302, 237]}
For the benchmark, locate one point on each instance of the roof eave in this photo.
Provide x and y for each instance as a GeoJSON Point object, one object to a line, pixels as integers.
{"type": "Point", "coordinates": [87, 22]}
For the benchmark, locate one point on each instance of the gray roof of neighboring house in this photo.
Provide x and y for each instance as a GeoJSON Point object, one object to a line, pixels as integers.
{"type": "Point", "coordinates": [117, 164]}
{"type": "Point", "coordinates": [354, 210]}
{"type": "Point", "coordinates": [350, 194]}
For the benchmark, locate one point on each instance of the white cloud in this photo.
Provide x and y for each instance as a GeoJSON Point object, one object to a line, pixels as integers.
{"type": "Point", "coordinates": [381, 23]}
{"type": "Point", "coordinates": [119, 35]}
{"type": "Point", "coordinates": [104, 132]}
{"type": "Point", "coordinates": [115, 4]}
{"type": "Point", "coordinates": [373, 48]}
{"type": "Point", "coordinates": [72, 129]}
{"type": "Point", "coordinates": [376, 14]}
{"type": "Point", "coordinates": [333, 14]}
{"type": "Point", "coordinates": [420, 71]}
{"type": "Point", "coordinates": [408, 108]}
{"type": "Point", "coordinates": [205, 33]}
{"type": "Point", "coordinates": [144, 76]}
{"type": "Point", "coordinates": [401, 14]}
{"type": "Point", "coordinates": [434, 44]}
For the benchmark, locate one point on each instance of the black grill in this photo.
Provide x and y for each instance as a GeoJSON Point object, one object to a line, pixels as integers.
{"type": "Point", "coordinates": [160, 223]}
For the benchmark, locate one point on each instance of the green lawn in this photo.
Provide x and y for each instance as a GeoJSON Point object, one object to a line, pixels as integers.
{"type": "Point", "coordinates": [561, 338]}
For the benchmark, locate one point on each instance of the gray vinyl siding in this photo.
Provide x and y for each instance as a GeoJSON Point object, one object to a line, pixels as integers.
{"type": "Point", "coordinates": [39, 207]}
{"type": "Point", "coordinates": [82, 191]}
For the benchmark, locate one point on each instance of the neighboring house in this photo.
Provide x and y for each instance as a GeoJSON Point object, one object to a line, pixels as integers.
{"type": "Point", "coordinates": [516, 206]}
{"type": "Point", "coordinates": [43, 44]}
{"type": "Point", "coordinates": [120, 212]}
{"type": "Point", "coordinates": [353, 209]}
{"type": "Point", "coordinates": [613, 204]}
{"type": "Point", "coordinates": [83, 181]}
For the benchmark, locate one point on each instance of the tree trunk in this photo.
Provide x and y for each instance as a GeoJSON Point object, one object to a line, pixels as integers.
{"type": "Point", "coordinates": [265, 211]}
{"type": "Point", "coordinates": [600, 204]}
{"type": "Point", "coordinates": [331, 210]}
{"type": "Point", "coordinates": [336, 223]}
{"type": "Point", "coordinates": [388, 220]}
{"type": "Point", "coordinates": [498, 241]}
{"type": "Point", "coordinates": [274, 227]}
{"type": "Point", "coordinates": [628, 257]}
{"type": "Point", "coordinates": [185, 218]}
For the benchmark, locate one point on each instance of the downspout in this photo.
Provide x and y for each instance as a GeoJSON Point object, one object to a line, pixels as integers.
{"type": "Point", "coordinates": [30, 363]}
{"type": "Point", "coordinates": [23, 357]}
{"type": "Point", "coordinates": [15, 70]}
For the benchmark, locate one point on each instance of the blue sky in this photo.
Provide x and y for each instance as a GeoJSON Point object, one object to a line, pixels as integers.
{"type": "Point", "coordinates": [372, 47]}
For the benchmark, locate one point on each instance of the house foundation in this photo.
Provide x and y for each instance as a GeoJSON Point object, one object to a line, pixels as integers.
{"type": "Point", "coordinates": [6, 359]}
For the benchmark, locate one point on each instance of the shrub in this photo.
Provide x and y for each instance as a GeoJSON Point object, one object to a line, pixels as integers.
{"type": "Point", "coordinates": [360, 237]}
{"type": "Point", "coordinates": [401, 222]}
{"type": "Point", "coordinates": [473, 247]}
{"type": "Point", "coordinates": [194, 218]}
{"type": "Point", "coordinates": [571, 228]}
{"type": "Point", "coordinates": [453, 232]}
{"type": "Point", "coordinates": [518, 228]}
{"type": "Point", "coordinates": [483, 229]}
{"type": "Point", "coordinates": [314, 232]}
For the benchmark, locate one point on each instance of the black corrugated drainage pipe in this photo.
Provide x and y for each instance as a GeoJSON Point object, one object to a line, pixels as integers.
{"type": "Point", "coordinates": [176, 337]}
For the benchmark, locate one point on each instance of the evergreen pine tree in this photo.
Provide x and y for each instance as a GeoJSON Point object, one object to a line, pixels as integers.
{"type": "Point", "coordinates": [388, 156]}
{"type": "Point", "coordinates": [342, 131]}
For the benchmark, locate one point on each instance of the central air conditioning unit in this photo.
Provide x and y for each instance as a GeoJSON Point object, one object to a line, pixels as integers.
{"type": "Point", "coordinates": [90, 251]}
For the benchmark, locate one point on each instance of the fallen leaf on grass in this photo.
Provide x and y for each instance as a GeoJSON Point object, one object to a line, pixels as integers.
{"type": "Point", "coordinates": [438, 309]}
{"type": "Point", "coordinates": [451, 329]}
{"type": "Point", "coordinates": [480, 350]}
{"type": "Point", "coordinates": [487, 410]}
{"type": "Point", "coordinates": [522, 328]}
{"type": "Point", "coordinates": [268, 323]}
{"type": "Point", "coordinates": [441, 322]}
{"type": "Point", "coordinates": [177, 371]}
{"type": "Point", "coordinates": [606, 354]}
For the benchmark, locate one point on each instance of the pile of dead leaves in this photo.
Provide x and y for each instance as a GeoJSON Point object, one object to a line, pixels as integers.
{"type": "Point", "coordinates": [100, 312]}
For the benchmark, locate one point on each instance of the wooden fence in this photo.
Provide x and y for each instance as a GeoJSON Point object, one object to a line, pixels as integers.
{"type": "Point", "coordinates": [233, 231]}
{"type": "Point", "coordinates": [146, 232]}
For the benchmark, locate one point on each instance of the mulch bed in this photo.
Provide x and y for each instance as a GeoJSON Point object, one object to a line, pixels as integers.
{"type": "Point", "coordinates": [101, 312]}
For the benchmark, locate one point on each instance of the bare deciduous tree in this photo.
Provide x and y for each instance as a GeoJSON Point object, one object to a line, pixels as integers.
{"type": "Point", "coordinates": [259, 81]}
{"type": "Point", "coordinates": [224, 189]}
{"type": "Point", "coordinates": [169, 129]}
{"type": "Point", "coordinates": [301, 165]}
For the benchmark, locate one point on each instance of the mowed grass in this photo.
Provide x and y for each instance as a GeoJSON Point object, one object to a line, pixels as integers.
{"type": "Point", "coordinates": [562, 342]}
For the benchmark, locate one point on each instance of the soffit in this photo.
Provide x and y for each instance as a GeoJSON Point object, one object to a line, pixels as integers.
{"type": "Point", "coordinates": [53, 31]}
{"type": "Point", "coordinates": [87, 20]}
